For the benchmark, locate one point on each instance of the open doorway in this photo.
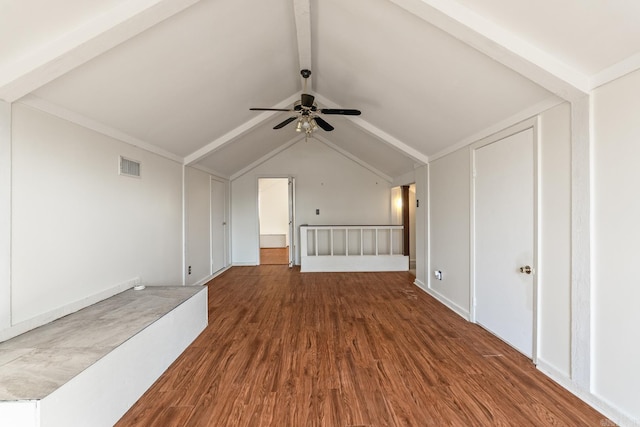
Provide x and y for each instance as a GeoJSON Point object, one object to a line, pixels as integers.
{"type": "Point", "coordinates": [403, 212]}
{"type": "Point", "coordinates": [274, 220]}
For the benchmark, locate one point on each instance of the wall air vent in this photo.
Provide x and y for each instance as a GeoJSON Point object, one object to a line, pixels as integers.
{"type": "Point", "coordinates": [129, 167]}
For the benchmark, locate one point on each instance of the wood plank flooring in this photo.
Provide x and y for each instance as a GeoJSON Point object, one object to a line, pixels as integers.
{"type": "Point", "coordinates": [279, 256]}
{"type": "Point", "coordinates": [347, 349]}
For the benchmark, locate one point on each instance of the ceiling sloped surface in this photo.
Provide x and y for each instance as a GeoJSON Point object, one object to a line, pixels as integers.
{"type": "Point", "coordinates": [372, 151]}
{"type": "Point", "coordinates": [30, 24]}
{"type": "Point", "coordinates": [251, 147]}
{"type": "Point", "coordinates": [410, 79]}
{"type": "Point", "coordinates": [191, 78]}
{"type": "Point", "coordinates": [589, 35]}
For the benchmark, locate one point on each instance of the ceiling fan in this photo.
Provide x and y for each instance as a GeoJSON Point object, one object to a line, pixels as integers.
{"type": "Point", "coordinates": [307, 112]}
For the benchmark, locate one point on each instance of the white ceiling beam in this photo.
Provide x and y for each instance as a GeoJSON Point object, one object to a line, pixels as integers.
{"type": "Point", "coordinates": [501, 45]}
{"type": "Point", "coordinates": [302, 15]}
{"type": "Point", "coordinates": [378, 133]}
{"type": "Point", "coordinates": [238, 132]}
{"type": "Point", "coordinates": [94, 38]}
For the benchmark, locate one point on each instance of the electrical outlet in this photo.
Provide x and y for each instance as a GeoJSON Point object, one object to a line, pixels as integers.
{"type": "Point", "coordinates": [189, 269]}
{"type": "Point", "coordinates": [317, 211]}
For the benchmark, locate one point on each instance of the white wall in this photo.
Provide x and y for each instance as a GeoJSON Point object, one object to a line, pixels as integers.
{"type": "Point", "coordinates": [449, 198]}
{"type": "Point", "coordinates": [449, 234]}
{"type": "Point", "coordinates": [554, 250]}
{"type": "Point", "coordinates": [198, 225]}
{"type": "Point", "coordinates": [79, 229]}
{"type": "Point", "coordinates": [345, 193]}
{"type": "Point", "coordinates": [616, 245]}
{"type": "Point", "coordinates": [5, 215]}
{"type": "Point", "coordinates": [274, 207]}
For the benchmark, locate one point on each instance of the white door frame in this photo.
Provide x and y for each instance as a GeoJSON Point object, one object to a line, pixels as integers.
{"type": "Point", "coordinates": [293, 242]}
{"type": "Point", "coordinates": [225, 229]}
{"type": "Point", "coordinates": [533, 124]}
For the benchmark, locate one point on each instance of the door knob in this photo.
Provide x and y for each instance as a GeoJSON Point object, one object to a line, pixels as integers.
{"type": "Point", "coordinates": [526, 269]}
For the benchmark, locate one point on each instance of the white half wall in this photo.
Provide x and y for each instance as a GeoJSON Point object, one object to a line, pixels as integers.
{"type": "Point", "coordinates": [344, 192]}
{"type": "Point", "coordinates": [449, 229]}
{"type": "Point", "coordinates": [615, 370]}
{"type": "Point", "coordinates": [79, 228]}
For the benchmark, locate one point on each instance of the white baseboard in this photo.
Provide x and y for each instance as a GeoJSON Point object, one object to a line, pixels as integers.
{"type": "Point", "coordinates": [50, 316]}
{"type": "Point", "coordinates": [206, 280]}
{"type": "Point", "coordinates": [460, 311]}
{"type": "Point", "coordinates": [597, 403]}
{"type": "Point", "coordinates": [244, 264]}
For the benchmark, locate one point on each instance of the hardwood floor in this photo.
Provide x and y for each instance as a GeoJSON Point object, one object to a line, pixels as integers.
{"type": "Point", "coordinates": [279, 256]}
{"type": "Point", "coordinates": [347, 349]}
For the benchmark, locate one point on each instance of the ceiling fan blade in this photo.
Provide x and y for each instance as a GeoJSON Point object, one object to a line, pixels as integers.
{"type": "Point", "coordinates": [307, 100]}
{"type": "Point", "coordinates": [270, 109]}
{"type": "Point", "coordinates": [323, 124]}
{"type": "Point", "coordinates": [342, 111]}
{"type": "Point", "coordinates": [283, 124]}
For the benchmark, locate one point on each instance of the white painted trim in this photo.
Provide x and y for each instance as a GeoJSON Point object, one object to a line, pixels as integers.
{"type": "Point", "coordinates": [185, 224]}
{"type": "Point", "coordinates": [525, 114]}
{"type": "Point", "coordinates": [50, 61]}
{"type": "Point", "coordinates": [460, 311]}
{"type": "Point", "coordinates": [59, 312]}
{"type": "Point", "coordinates": [244, 264]}
{"type": "Point", "coordinates": [5, 216]}
{"type": "Point", "coordinates": [616, 71]}
{"type": "Point", "coordinates": [233, 134]}
{"type": "Point", "coordinates": [501, 45]}
{"type": "Point", "coordinates": [80, 120]}
{"type": "Point", "coordinates": [210, 277]}
{"type": "Point", "coordinates": [266, 157]}
{"type": "Point", "coordinates": [302, 14]}
{"type": "Point", "coordinates": [605, 408]}
{"type": "Point", "coordinates": [353, 158]}
{"type": "Point", "coordinates": [581, 242]}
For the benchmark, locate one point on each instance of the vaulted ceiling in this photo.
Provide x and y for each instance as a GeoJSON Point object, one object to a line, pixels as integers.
{"type": "Point", "coordinates": [178, 76]}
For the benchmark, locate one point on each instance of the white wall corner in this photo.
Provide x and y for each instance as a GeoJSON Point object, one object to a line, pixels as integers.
{"type": "Point", "coordinates": [59, 312]}
{"type": "Point", "coordinates": [5, 215]}
{"type": "Point", "coordinates": [581, 242]}
{"type": "Point", "coordinates": [606, 409]}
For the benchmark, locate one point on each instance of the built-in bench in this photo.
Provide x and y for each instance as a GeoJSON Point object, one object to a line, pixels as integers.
{"type": "Point", "coordinates": [90, 367]}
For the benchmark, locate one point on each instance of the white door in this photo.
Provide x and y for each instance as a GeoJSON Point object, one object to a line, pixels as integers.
{"type": "Point", "coordinates": [504, 239]}
{"type": "Point", "coordinates": [218, 226]}
{"type": "Point", "coordinates": [292, 221]}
